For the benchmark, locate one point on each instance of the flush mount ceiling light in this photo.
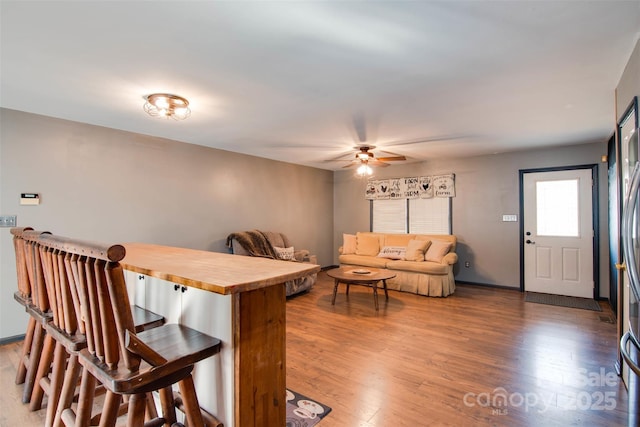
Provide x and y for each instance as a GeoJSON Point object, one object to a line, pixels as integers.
{"type": "Point", "coordinates": [167, 105]}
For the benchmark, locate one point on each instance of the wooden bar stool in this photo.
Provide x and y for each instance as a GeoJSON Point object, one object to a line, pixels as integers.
{"type": "Point", "coordinates": [52, 312]}
{"type": "Point", "coordinates": [127, 363]}
{"type": "Point", "coordinates": [65, 331]}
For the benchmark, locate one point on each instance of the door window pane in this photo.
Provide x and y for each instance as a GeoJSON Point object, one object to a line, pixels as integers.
{"type": "Point", "coordinates": [557, 208]}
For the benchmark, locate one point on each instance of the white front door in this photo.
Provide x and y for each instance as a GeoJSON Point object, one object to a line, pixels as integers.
{"type": "Point", "coordinates": [558, 226]}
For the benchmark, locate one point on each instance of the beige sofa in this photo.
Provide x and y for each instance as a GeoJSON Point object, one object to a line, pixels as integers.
{"type": "Point", "coordinates": [425, 271]}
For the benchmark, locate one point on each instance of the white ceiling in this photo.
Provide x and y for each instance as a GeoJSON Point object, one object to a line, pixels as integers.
{"type": "Point", "coordinates": [298, 81]}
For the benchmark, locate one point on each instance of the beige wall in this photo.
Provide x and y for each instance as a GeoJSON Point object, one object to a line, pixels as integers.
{"type": "Point", "coordinates": [108, 185]}
{"type": "Point", "coordinates": [486, 188]}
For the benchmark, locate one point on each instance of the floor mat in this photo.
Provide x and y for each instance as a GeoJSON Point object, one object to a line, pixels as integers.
{"type": "Point", "coordinates": [304, 412]}
{"type": "Point", "coordinates": [563, 301]}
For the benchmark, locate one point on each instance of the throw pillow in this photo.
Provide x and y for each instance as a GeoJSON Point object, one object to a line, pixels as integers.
{"type": "Point", "coordinates": [348, 244]}
{"type": "Point", "coordinates": [367, 245]}
{"type": "Point", "coordinates": [285, 253]}
{"type": "Point", "coordinates": [416, 250]}
{"type": "Point", "coordinates": [437, 251]}
{"type": "Point", "coordinates": [392, 252]}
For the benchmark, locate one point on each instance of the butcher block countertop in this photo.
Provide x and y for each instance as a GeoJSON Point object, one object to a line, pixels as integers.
{"type": "Point", "coordinates": [211, 271]}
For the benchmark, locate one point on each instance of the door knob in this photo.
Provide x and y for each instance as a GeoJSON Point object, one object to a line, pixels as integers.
{"type": "Point", "coordinates": [530, 242]}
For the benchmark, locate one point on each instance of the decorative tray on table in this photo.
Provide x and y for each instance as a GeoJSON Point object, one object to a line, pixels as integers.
{"type": "Point", "coordinates": [361, 271]}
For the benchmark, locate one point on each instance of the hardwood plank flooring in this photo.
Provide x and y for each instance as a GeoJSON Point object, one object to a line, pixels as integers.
{"type": "Point", "coordinates": [423, 361]}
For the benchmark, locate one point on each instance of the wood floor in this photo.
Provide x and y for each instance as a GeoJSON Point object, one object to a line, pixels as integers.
{"type": "Point", "coordinates": [481, 357]}
{"type": "Point", "coordinates": [425, 361]}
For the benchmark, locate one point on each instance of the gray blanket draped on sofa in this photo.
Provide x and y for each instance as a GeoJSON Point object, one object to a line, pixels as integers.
{"type": "Point", "coordinates": [254, 241]}
{"type": "Point", "coordinates": [261, 244]}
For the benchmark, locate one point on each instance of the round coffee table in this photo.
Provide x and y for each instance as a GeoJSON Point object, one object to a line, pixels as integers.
{"type": "Point", "coordinates": [361, 276]}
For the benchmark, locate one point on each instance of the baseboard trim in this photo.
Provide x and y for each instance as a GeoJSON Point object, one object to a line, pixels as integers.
{"type": "Point", "coordinates": [488, 285]}
{"type": "Point", "coordinates": [511, 288]}
{"type": "Point", "coordinates": [9, 340]}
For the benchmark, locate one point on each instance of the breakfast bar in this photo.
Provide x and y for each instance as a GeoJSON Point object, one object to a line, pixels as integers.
{"type": "Point", "coordinates": [241, 301]}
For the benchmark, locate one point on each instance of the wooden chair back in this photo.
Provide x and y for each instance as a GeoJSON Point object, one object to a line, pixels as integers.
{"type": "Point", "coordinates": [95, 285]}
{"type": "Point", "coordinates": [55, 268]}
{"type": "Point", "coordinates": [31, 284]}
{"type": "Point", "coordinates": [39, 295]}
{"type": "Point", "coordinates": [19, 244]}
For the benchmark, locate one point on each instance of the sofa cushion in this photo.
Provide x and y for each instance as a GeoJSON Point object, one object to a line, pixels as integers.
{"type": "Point", "coordinates": [416, 250]}
{"type": "Point", "coordinates": [348, 244]}
{"type": "Point", "coordinates": [367, 245]}
{"type": "Point", "coordinates": [397, 239]}
{"type": "Point", "coordinates": [363, 260]}
{"type": "Point", "coordinates": [285, 253]}
{"type": "Point", "coordinates": [437, 250]}
{"type": "Point", "coordinates": [419, 267]}
{"type": "Point", "coordinates": [392, 252]}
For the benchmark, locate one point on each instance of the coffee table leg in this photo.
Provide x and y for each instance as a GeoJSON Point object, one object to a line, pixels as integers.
{"type": "Point", "coordinates": [335, 290]}
{"type": "Point", "coordinates": [386, 294]}
{"type": "Point", "coordinates": [375, 293]}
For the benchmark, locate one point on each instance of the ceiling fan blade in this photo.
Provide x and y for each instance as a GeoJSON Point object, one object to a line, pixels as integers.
{"type": "Point", "coordinates": [391, 159]}
{"type": "Point", "coordinates": [342, 157]}
{"type": "Point", "coordinates": [424, 140]}
{"type": "Point", "coordinates": [360, 127]}
{"type": "Point", "coordinates": [378, 163]}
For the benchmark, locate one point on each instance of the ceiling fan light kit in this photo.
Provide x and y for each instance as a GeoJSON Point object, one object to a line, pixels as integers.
{"type": "Point", "coordinates": [364, 170]}
{"type": "Point", "coordinates": [365, 159]}
{"type": "Point", "coordinates": [364, 154]}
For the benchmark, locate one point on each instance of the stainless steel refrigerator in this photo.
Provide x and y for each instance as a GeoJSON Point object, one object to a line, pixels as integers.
{"type": "Point", "coordinates": [630, 233]}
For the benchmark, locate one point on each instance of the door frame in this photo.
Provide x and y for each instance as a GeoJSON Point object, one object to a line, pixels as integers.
{"type": "Point", "coordinates": [595, 205]}
{"type": "Point", "coordinates": [614, 221]}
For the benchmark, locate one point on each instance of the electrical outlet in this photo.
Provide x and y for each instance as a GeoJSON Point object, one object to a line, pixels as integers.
{"type": "Point", "coordinates": [8, 220]}
{"type": "Point", "coordinates": [467, 264]}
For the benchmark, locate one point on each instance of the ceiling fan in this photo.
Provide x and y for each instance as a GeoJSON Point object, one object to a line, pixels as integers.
{"type": "Point", "coordinates": [365, 156]}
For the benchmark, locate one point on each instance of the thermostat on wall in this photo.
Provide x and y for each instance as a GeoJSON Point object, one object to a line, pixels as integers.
{"type": "Point", "coordinates": [29, 199]}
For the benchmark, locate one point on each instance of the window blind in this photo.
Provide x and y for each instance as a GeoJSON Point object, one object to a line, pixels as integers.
{"type": "Point", "coordinates": [416, 216]}
{"type": "Point", "coordinates": [430, 216]}
{"type": "Point", "coordinates": [389, 216]}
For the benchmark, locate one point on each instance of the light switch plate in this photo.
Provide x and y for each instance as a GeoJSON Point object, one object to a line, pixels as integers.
{"type": "Point", "coordinates": [8, 220]}
{"type": "Point", "coordinates": [509, 218]}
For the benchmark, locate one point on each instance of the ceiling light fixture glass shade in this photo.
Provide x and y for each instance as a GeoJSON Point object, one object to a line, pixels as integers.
{"type": "Point", "coordinates": [167, 105]}
{"type": "Point", "coordinates": [364, 170]}
{"type": "Point", "coordinates": [364, 156]}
